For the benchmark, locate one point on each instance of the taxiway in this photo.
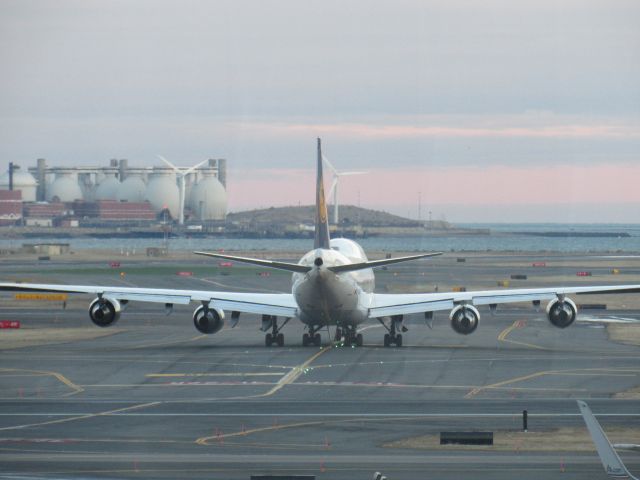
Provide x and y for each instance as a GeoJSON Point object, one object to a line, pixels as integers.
{"type": "Point", "coordinates": [155, 399]}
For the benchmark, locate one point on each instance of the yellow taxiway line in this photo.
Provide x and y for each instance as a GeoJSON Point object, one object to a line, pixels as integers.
{"type": "Point", "coordinates": [81, 417]}
{"type": "Point", "coordinates": [516, 325]}
{"type": "Point", "coordinates": [594, 372]}
{"type": "Point", "coordinates": [58, 376]}
{"type": "Point", "coordinates": [293, 375]}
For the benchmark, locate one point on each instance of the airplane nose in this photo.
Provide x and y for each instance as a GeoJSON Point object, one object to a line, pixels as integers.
{"type": "Point", "coordinates": [318, 262]}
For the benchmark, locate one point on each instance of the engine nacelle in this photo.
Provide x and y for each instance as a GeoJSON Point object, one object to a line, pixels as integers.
{"type": "Point", "coordinates": [562, 313]}
{"type": "Point", "coordinates": [464, 319]}
{"type": "Point", "coordinates": [104, 311]}
{"type": "Point", "coordinates": [209, 320]}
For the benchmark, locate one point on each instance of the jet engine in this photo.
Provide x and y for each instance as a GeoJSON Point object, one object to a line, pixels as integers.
{"type": "Point", "coordinates": [562, 313]}
{"type": "Point", "coordinates": [104, 311]}
{"type": "Point", "coordinates": [464, 319]}
{"type": "Point", "coordinates": [208, 320]}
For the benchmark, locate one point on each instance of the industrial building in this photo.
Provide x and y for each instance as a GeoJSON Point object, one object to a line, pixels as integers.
{"type": "Point", "coordinates": [113, 194]}
{"type": "Point", "coordinates": [10, 207]}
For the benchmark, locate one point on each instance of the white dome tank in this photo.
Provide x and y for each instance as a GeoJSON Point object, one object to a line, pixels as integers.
{"type": "Point", "coordinates": [190, 188]}
{"type": "Point", "coordinates": [107, 188]}
{"type": "Point", "coordinates": [163, 192]}
{"type": "Point", "coordinates": [22, 181]}
{"type": "Point", "coordinates": [65, 188]}
{"type": "Point", "coordinates": [209, 198]}
{"type": "Point", "coordinates": [132, 189]}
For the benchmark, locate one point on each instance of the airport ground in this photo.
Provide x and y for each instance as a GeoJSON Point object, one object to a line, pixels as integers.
{"type": "Point", "coordinates": [152, 398]}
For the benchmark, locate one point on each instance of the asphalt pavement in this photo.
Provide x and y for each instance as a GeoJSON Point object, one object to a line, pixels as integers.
{"type": "Point", "coordinates": [156, 399]}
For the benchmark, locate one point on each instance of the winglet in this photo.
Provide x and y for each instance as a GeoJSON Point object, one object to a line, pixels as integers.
{"type": "Point", "coordinates": [611, 462]}
{"type": "Point", "coordinates": [322, 219]}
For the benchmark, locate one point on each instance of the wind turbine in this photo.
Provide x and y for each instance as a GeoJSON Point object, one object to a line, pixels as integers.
{"type": "Point", "coordinates": [333, 190]}
{"type": "Point", "coordinates": [181, 172]}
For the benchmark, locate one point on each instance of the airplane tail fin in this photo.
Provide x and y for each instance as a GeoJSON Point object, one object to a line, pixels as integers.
{"type": "Point", "coordinates": [608, 456]}
{"type": "Point", "coordinates": [322, 219]}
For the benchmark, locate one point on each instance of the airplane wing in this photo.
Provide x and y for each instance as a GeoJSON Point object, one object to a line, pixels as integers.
{"type": "Point", "coordinates": [608, 456]}
{"type": "Point", "coordinates": [279, 304]}
{"type": "Point", "coordinates": [383, 305]}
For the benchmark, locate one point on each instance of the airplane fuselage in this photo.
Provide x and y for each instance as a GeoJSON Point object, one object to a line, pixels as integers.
{"type": "Point", "coordinates": [327, 298]}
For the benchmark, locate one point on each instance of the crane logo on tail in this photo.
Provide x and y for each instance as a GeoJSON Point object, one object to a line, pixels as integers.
{"type": "Point", "coordinates": [322, 224]}
{"type": "Point", "coordinates": [322, 207]}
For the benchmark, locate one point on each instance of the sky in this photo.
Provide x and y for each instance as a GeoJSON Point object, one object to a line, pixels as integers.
{"type": "Point", "coordinates": [493, 111]}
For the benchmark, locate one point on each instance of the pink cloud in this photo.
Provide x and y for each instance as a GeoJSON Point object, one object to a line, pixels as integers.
{"type": "Point", "coordinates": [496, 185]}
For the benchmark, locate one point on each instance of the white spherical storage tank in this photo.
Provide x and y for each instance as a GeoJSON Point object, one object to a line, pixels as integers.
{"type": "Point", "coordinates": [163, 192]}
{"type": "Point", "coordinates": [108, 188]}
{"type": "Point", "coordinates": [132, 189]}
{"type": "Point", "coordinates": [188, 196]}
{"type": "Point", "coordinates": [22, 181]}
{"type": "Point", "coordinates": [209, 198]}
{"type": "Point", "coordinates": [65, 188]}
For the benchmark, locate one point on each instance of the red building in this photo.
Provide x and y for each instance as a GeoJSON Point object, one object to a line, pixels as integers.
{"type": "Point", "coordinates": [10, 207]}
{"type": "Point", "coordinates": [44, 210]}
{"type": "Point", "coordinates": [114, 210]}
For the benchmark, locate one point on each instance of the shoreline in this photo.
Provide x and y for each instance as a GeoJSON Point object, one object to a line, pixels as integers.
{"type": "Point", "coordinates": [614, 258]}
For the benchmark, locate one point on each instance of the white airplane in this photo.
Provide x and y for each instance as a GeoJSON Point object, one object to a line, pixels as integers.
{"type": "Point", "coordinates": [333, 285]}
{"type": "Point", "coordinates": [607, 453]}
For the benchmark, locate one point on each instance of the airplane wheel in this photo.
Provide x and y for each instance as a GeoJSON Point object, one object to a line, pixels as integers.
{"type": "Point", "coordinates": [280, 340]}
{"type": "Point", "coordinates": [268, 339]}
{"type": "Point", "coordinates": [398, 340]}
{"type": "Point", "coordinates": [387, 339]}
{"type": "Point", "coordinates": [359, 340]}
{"type": "Point", "coordinates": [305, 339]}
{"type": "Point", "coordinates": [317, 340]}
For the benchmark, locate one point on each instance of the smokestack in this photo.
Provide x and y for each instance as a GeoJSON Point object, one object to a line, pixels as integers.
{"type": "Point", "coordinates": [10, 175]}
{"type": "Point", "coordinates": [42, 180]}
{"type": "Point", "coordinates": [122, 169]}
{"type": "Point", "coordinates": [222, 171]}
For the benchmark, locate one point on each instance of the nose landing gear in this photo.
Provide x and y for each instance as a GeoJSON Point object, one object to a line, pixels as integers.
{"type": "Point", "coordinates": [313, 337]}
{"type": "Point", "coordinates": [351, 337]}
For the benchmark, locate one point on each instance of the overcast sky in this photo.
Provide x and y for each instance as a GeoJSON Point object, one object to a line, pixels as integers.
{"type": "Point", "coordinates": [480, 111]}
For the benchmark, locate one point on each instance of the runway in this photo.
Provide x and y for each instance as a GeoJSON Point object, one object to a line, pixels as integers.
{"type": "Point", "coordinates": [156, 399]}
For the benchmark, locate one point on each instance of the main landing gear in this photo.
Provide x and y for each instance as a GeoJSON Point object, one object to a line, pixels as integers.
{"type": "Point", "coordinates": [311, 338]}
{"type": "Point", "coordinates": [271, 322]}
{"type": "Point", "coordinates": [350, 336]}
{"type": "Point", "coordinates": [393, 337]}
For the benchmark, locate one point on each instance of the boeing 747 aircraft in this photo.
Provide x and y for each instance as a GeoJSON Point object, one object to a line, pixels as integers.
{"type": "Point", "coordinates": [332, 285]}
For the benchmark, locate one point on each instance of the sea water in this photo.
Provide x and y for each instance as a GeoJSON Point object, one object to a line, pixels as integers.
{"type": "Point", "coordinates": [500, 239]}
